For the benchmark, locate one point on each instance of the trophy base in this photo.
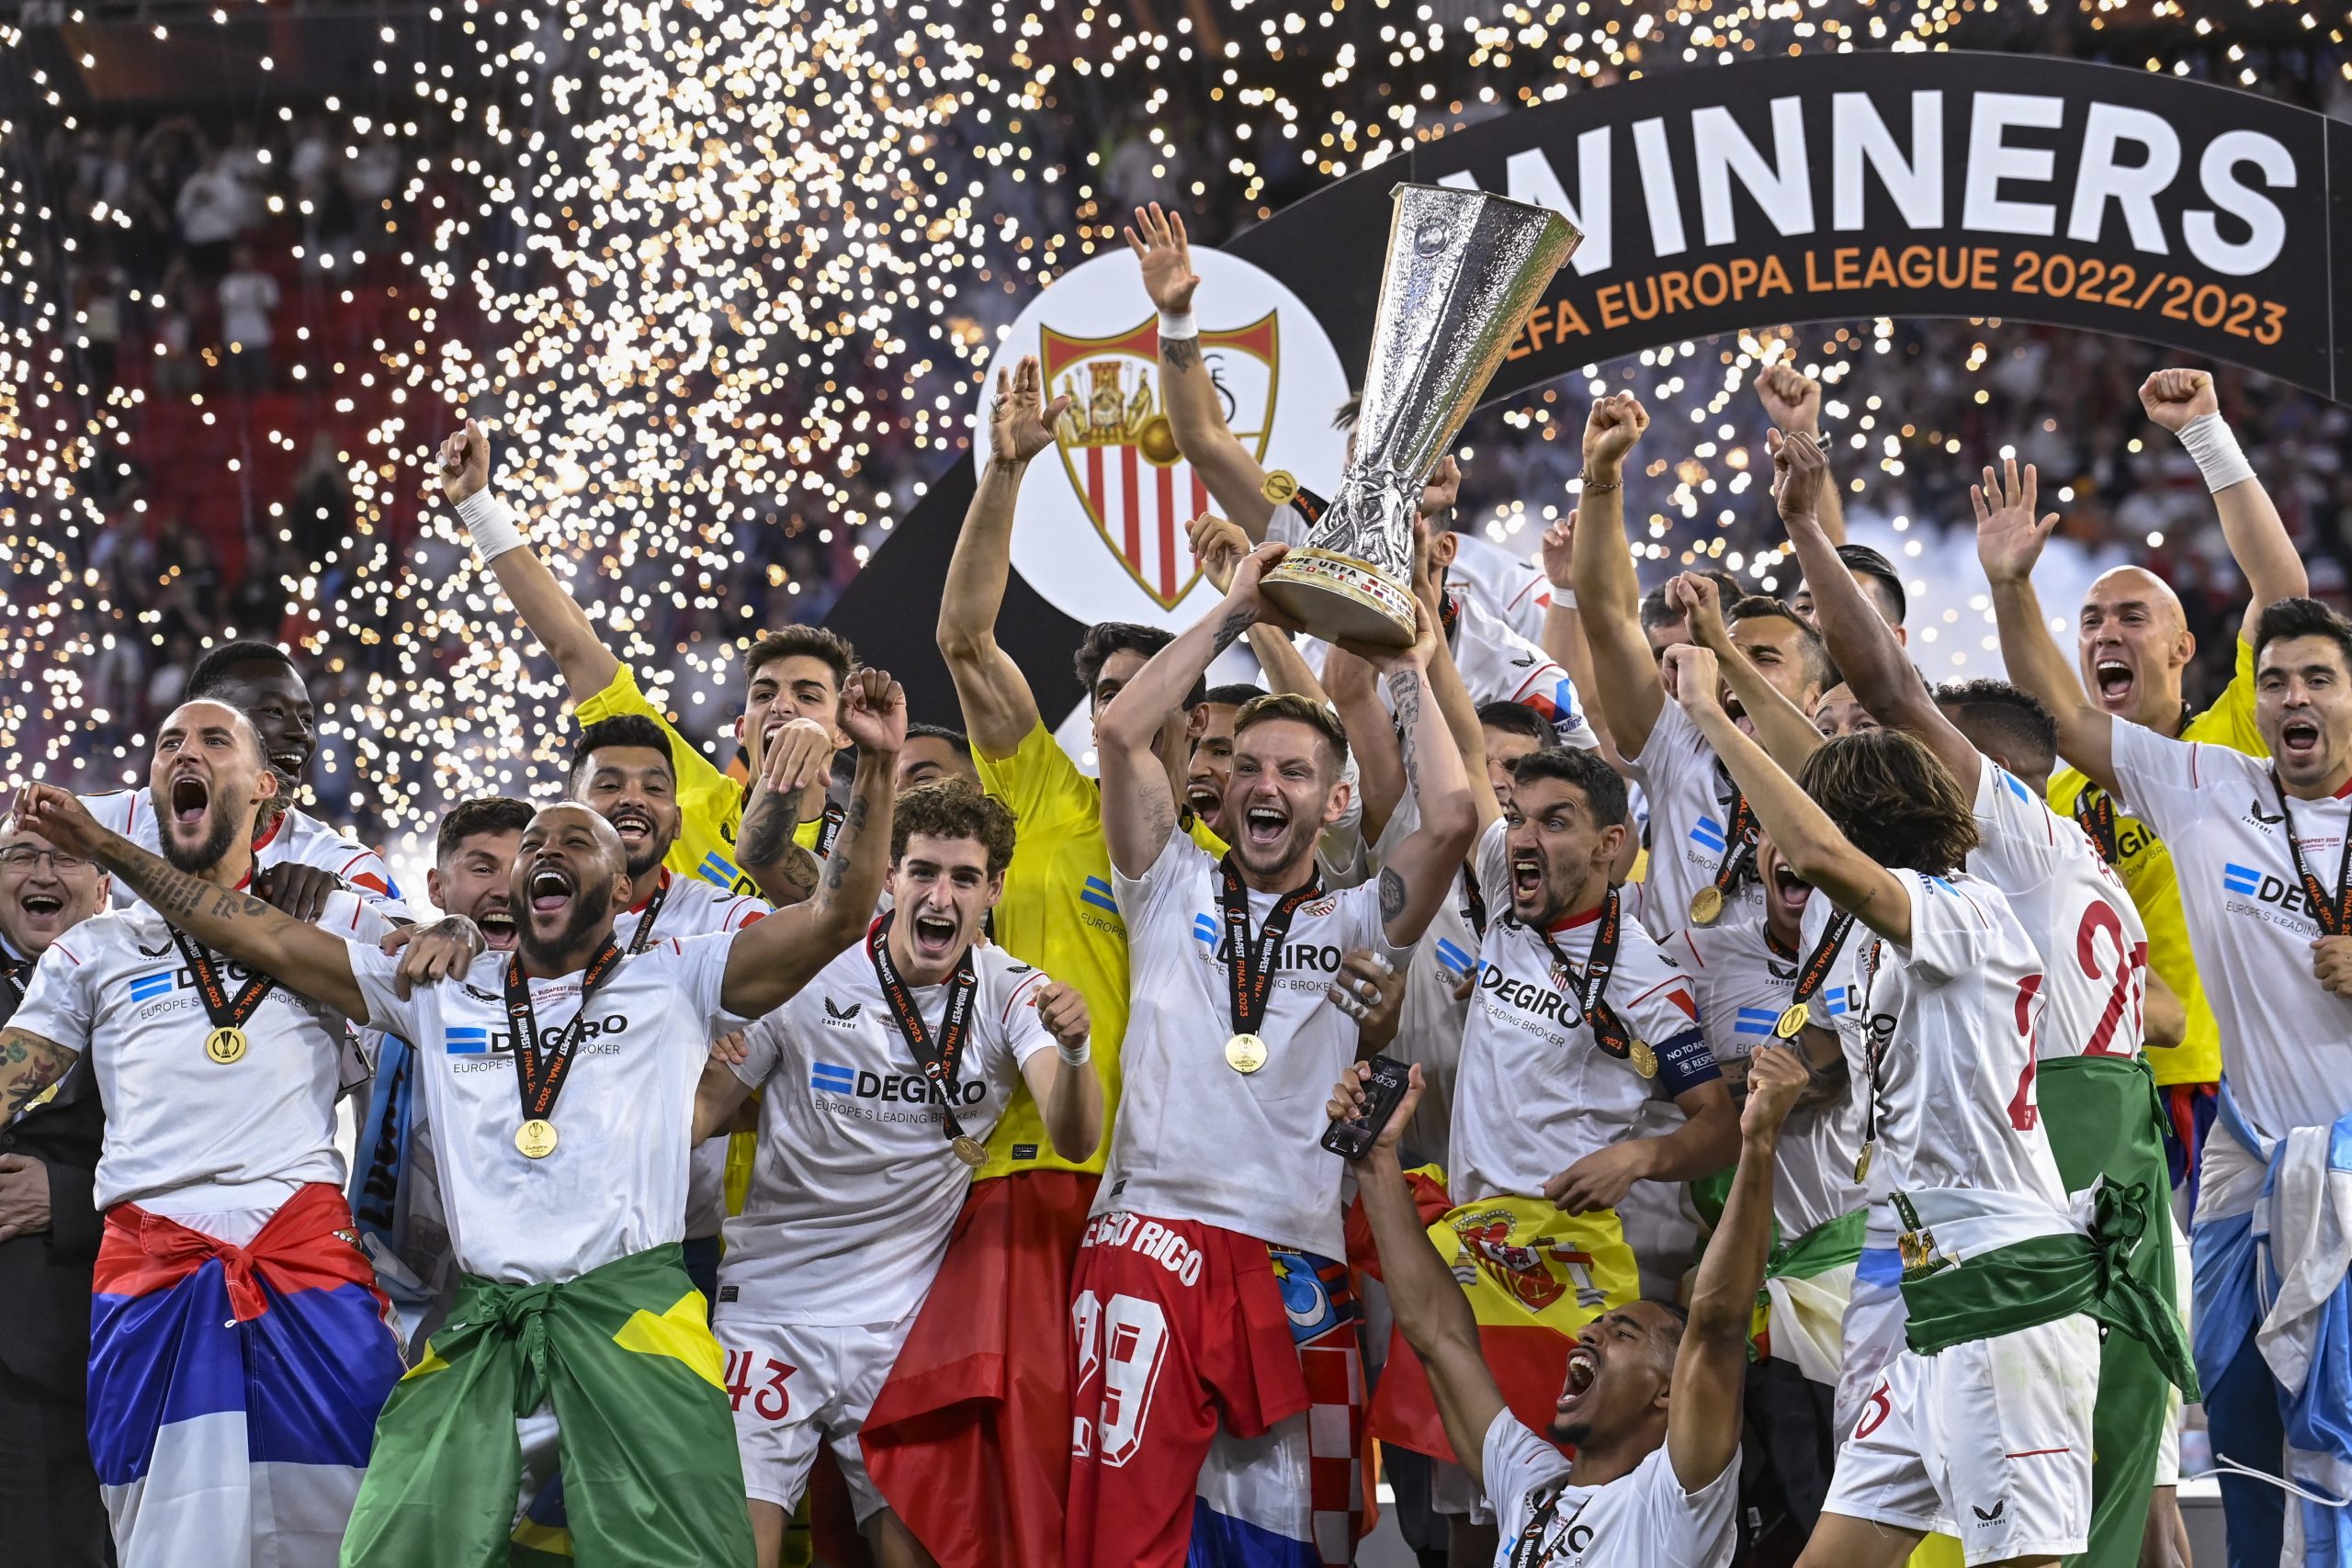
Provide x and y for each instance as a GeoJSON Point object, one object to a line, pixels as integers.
{"type": "Point", "coordinates": [1339, 598]}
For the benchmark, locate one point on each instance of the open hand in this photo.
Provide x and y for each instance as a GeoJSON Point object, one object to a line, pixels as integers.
{"type": "Point", "coordinates": [799, 754]}
{"type": "Point", "coordinates": [2008, 540]}
{"type": "Point", "coordinates": [441, 950]}
{"type": "Point", "coordinates": [1600, 1179]}
{"type": "Point", "coordinates": [300, 890]}
{"type": "Point", "coordinates": [1166, 259]}
{"type": "Point", "coordinates": [1021, 422]}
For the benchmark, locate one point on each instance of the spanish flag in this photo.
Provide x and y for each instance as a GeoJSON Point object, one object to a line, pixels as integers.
{"type": "Point", "coordinates": [1534, 1277]}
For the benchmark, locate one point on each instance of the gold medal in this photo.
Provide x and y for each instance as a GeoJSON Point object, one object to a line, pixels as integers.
{"type": "Point", "coordinates": [225, 1044]}
{"type": "Point", "coordinates": [1792, 1021]}
{"type": "Point", "coordinates": [1245, 1054]}
{"type": "Point", "coordinates": [1862, 1161]}
{"type": "Point", "coordinates": [1644, 1060]}
{"type": "Point", "coordinates": [1706, 905]}
{"type": "Point", "coordinates": [1279, 488]}
{"type": "Point", "coordinates": [969, 1150]}
{"type": "Point", "coordinates": [536, 1138]}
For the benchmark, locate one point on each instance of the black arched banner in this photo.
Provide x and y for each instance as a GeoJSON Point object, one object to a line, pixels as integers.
{"type": "Point", "coordinates": [1830, 186]}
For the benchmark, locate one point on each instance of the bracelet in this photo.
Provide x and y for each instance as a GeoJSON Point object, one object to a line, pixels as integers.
{"type": "Point", "coordinates": [1173, 325]}
{"type": "Point", "coordinates": [2214, 447]}
{"type": "Point", "coordinates": [1587, 482]}
{"type": "Point", "coordinates": [494, 525]}
{"type": "Point", "coordinates": [1078, 1055]}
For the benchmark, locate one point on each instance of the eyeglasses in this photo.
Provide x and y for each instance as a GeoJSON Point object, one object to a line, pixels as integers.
{"type": "Point", "coordinates": [25, 857]}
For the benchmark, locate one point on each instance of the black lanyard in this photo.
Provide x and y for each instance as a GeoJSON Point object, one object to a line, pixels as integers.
{"type": "Point", "coordinates": [2095, 815]}
{"type": "Point", "coordinates": [1473, 903]}
{"type": "Point", "coordinates": [1817, 965]}
{"type": "Point", "coordinates": [2332, 913]}
{"type": "Point", "coordinates": [1249, 965]}
{"type": "Point", "coordinates": [829, 827]}
{"type": "Point", "coordinates": [1532, 1550]}
{"type": "Point", "coordinates": [938, 1053]}
{"type": "Point", "coordinates": [644, 937]}
{"type": "Point", "coordinates": [1870, 1048]}
{"type": "Point", "coordinates": [1739, 843]}
{"type": "Point", "coordinates": [539, 1075]}
{"type": "Point", "coordinates": [224, 1010]}
{"type": "Point", "coordinates": [1609, 1031]}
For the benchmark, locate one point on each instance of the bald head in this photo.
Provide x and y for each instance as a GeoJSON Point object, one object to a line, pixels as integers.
{"type": "Point", "coordinates": [568, 881]}
{"type": "Point", "coordinates": [2133, 644]}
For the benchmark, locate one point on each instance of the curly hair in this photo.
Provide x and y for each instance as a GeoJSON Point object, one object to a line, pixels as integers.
{"type": "Point", "coordinates": [1893, 799]}
{"type": "Point", "coordinates": [953, 808]}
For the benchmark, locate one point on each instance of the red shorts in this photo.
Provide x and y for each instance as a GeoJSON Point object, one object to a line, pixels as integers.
{"type": "Point", "coordinates": [968, 1439]}
{"type": "Point", "coordinates": [1177, 1327]}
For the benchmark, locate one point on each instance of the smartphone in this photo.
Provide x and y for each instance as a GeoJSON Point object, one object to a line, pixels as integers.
{"type": "Point", "coordinates": [1353, 1140]}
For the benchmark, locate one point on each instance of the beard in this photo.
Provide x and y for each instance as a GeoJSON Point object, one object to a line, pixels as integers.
{"type": "Point", "coordinates": [1575, 1434]}
{"type": "Point", "coordinates": [208, 852]}
{"type": "Point", "coordinates": [648, 865]}
{"type": "Point", "coordinates": [590, 908]}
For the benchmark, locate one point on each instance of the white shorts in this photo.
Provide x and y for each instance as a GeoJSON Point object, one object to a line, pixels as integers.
{"type": "Point", "coordinates": [1873, 1338]}
{"type": "Point", "coordinates": [1989, 1441]}
{"type": "Point", "coordinates": [797, 1385]}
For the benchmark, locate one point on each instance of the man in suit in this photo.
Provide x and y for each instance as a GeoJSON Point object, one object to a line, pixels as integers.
{"type": "Point", "coordinates": [48, 1241]}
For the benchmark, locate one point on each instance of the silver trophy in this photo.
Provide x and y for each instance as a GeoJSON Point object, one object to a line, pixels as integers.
{"type": "Point", "coordinates": [1463, 270]}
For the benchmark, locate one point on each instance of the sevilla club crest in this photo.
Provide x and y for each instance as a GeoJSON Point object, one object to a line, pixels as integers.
{"type": "Point", "coordinates": [1118, 450]}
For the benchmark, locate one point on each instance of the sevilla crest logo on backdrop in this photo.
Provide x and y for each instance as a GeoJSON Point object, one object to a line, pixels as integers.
{"type": "Point", "coordinates": [1100, 533]}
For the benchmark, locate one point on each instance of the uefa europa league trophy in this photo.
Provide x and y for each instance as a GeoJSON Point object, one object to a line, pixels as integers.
{"type": "Point", "coordinates": [1463, 270]}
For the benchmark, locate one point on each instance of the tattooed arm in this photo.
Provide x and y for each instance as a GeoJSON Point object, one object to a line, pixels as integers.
{"type": "Point", "coordinates": [1138, 804]}
{"type": "Point", "coordinates": [30, 1064]}
{"type": "Point", "coordinates": [1420, 873]}
{"type": "Point", "coordinates": [313, 962]}
{"type": "Point", "coordinates": [772, 959]}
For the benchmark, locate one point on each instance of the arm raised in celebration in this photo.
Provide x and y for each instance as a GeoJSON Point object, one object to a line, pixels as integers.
{"type": "Point", "coordinates": [2009, 541]}
{"type": "Point", "coordinates": [1627, 693]}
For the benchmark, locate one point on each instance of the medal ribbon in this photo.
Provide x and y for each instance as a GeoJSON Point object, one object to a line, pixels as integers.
{"type": "Point", "coordinates": [1818, 961]}
{"type": "Point", "coordinates": [644, 937]}
{"type": "Point", "coordinates": [938, 1054]}
{"type": "Point", "coordinates": [1739, 841]}
{"type": "Point", "coordinates": [1870, 1045]}
{"type": "Point", "coordinates": [1249, 966]}
{"type": "Point", "coordinates": [1474, 902]}
{"type": "Point", "coordinates": [2095, 815]}
{"type": "Point", "coordinates": [2334, 914]}
{"type": "Point", "coordinates": [539, 1075]}
{"type": "Point", "coordinates": [1539, 1541]}
{"type": "Point", "coordinates": [1608, 1030]}
{"type": "Point", "coordinates": [223, 1011]}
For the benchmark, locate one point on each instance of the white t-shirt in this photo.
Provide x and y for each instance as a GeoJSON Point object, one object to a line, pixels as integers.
{"type": "Point", "coordinates": [2076, 913]}
{"type": "Point", "coordinates": [297, 839]}
{"type": "Point", "coordinates": [186, 1134]}
{"type": "Point", "coordinates": [1512, 586]}
{"type": "Point", "coordinates": [855, 1188]}
{"type": "Point", "coordinates": [615, 1183]}
{"type": "Point", "coordinates": [1500, 665]}
{"type": "Point", "coordinates": [1690, 800]}
{"type": "Point", "coordinates": [246, 300]}
{"type": "Point", "coordinates": [693, 908]}
{"type": "Point", "coordinates": [1535, 1093]}
{"type": "Point", "coordinates": [2286, 1041]}
{"type": "Point", "coordinates": [1744, 984]}
{"type": "Point", "coordinates": [1951, 1021]}
{"type": "Point", "coordinates": [1197, 1140]}
{"type": "Point", "coordinates": [1642, 1520]}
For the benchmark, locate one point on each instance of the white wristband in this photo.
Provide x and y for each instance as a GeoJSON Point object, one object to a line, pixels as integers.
{"type": "Point", "coordinates": [496, 527]}
{"type": "Point", "coordinates": [2213, 446]}
{"type": "Point", "coordinates": [1178, 326]}
{"type": "Point", "coordinates": [1076, 1056]}
{"type": "Point", "coordinates": [1564, 598]}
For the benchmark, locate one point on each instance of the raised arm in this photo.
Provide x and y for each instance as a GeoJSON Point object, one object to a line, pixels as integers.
{"type": "Point", "coordinates": [1431, 1310]}
{"type": "Point", "coordinates": [1355, 688]}
{"type": "Point", "coordinates": [1234, 478]}
{"type": "Point", "coordinates": [2009, 541]}
{"type": "Point", "coordinates": [303, 957]}
{"type": "Point", "coordinates": [1220, 545]}
{"type": "Point", "coordinates": [1800, 830]}
{"type": "Point", "coordinates": [1793, 399]}
{"type": "Point", "coordinates": [1138, 804]}
{"type": "Point", "coordinates": [1780, 727]}
{"type": "Point", "coordinates": [2184, 402]}
{"type": "Point", "coordinates": [1702, 1425]}
{"type": "Point", "coordinates": [999, 708]}
{"type": "Point", "coordinates": [1420, 873]}
{"type": "Point", "coordinates": [1861, 644]}
{"type": "Point", "coordinates": [786, 872]}
{"type": "Point", "coordinates": [548, 612]}
{"type": "Point", "coordinates": [1563, 641]}
{"type": "Point", "coordinates": [1627, 693]}
{"type": "Point", "coordinates": [769, 960]}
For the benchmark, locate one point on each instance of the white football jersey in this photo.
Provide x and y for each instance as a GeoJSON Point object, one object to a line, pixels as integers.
{"type": "Point", "coordinates": [2286, 1040]}
{"type": "Point", "coordinates": [1951, 1023]}
{"type": "Point", "coordinates": [1745, 983]}
{"type": "Point", "coordinates": [2076, 913]}
{"type": "Point", "coordinates": [691, 907]}
{"type": "Point", "coordinates": [1535, 1093]}
{"type": "Point", "coordinates": [1197, 1140]}
{"type": "Point", "coordinates": [1510, 587]}
{"type": "Point", "coordinates": [186, 1134]}
{"type": "Point", "coordinates": [1500, 665]}
{"type": "Point", "coordinates": [615, 1183]}
{"type": "Point", "coordinates": [1642, 1520]}
{"type": "Point", "coordinates": [298, 838]}
{"type": "Point", "coordinates": [1691, 798]}
{"type": "Point", "coordinates": [854, 1188]}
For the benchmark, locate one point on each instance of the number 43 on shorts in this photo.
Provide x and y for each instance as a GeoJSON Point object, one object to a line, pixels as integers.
{"type": "Point", "coordinates": [771, 1401]}
{"type": "Point", "coordinates": [1120, 1344]}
